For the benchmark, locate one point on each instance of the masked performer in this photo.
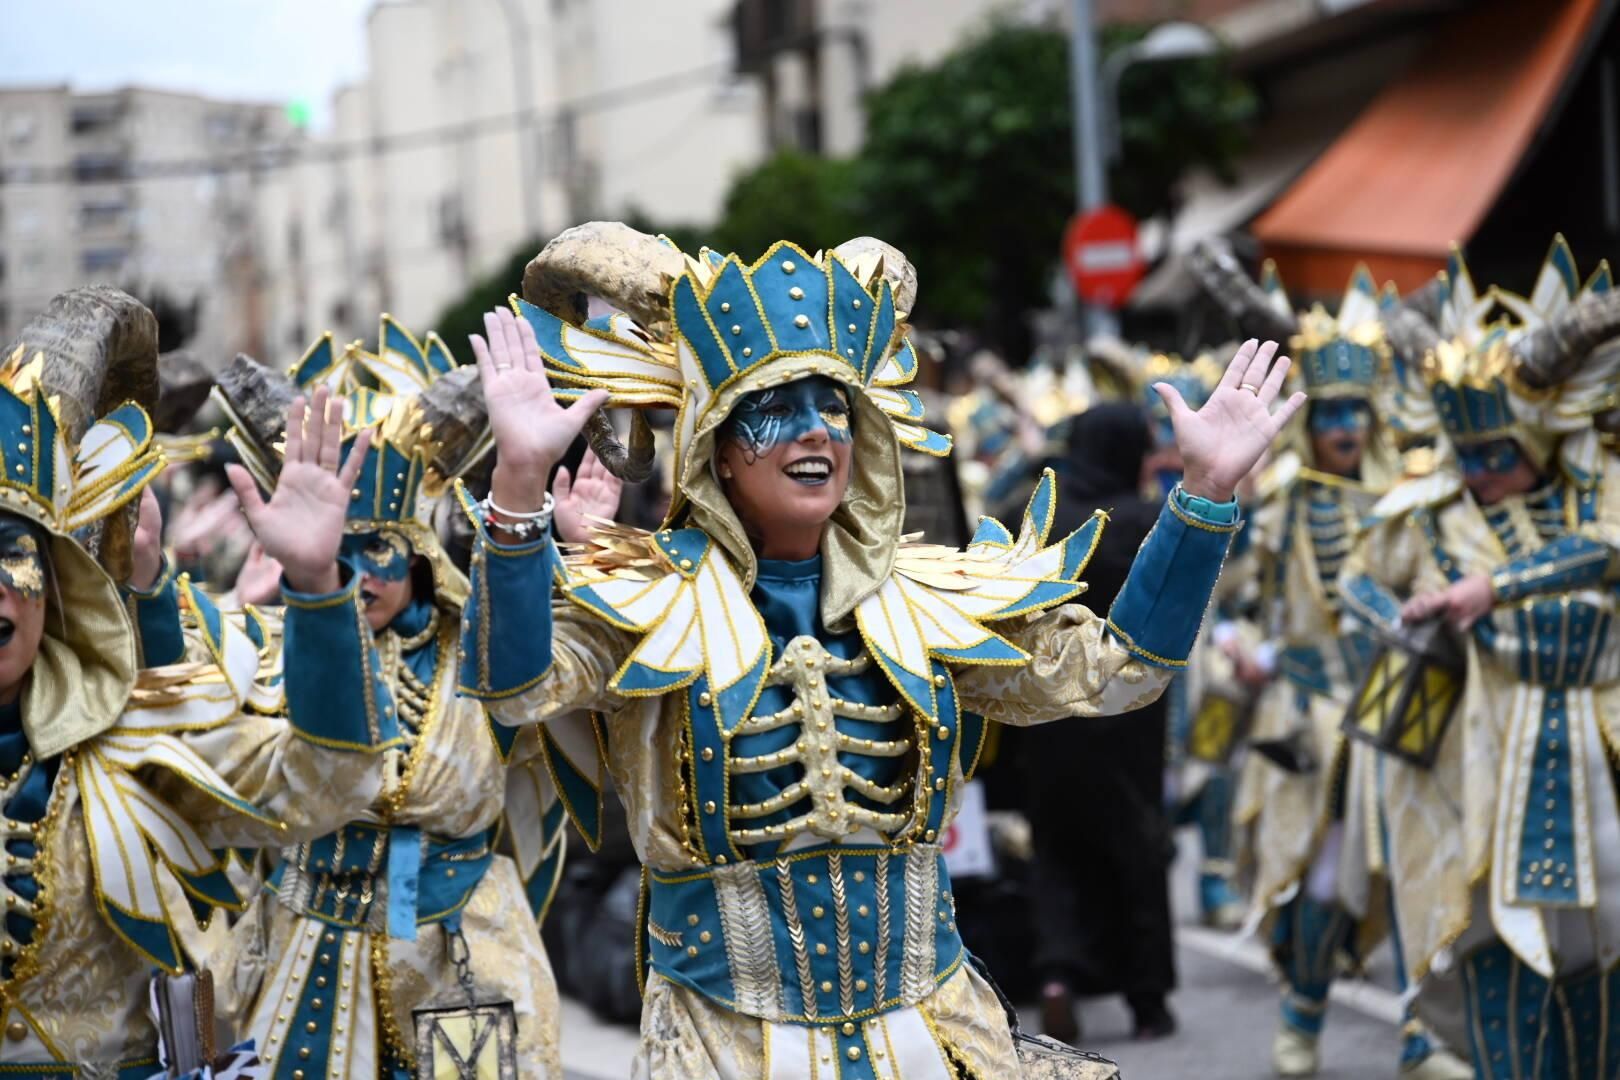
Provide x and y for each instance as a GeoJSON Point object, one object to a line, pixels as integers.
{"type": "Point", "coordinates": [790, 697]}
{"type": "Point", "coordinates": [1505, 853]}
{"type": "Point", "coordinates": [1303, 790]}
{"type": "Point", "coordinates": [373, 944]}
{"type": "Point", "coordinates": [119, 783]}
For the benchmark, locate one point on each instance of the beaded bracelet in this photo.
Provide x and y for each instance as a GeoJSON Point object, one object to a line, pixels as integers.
{"type": "Point", "coordinates": [522, 526]}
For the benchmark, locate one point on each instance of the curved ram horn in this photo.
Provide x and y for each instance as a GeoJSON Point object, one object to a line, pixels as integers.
{"type": "Point", "coordinates": [100, 347]}
{"type": "Point", "coordinates": [897, 269]}
{"type": "Point", "coordinates": [453, 408]}
{"type": "Point", "coordinates": [628, 269]}
{"type": "Point", "coordinates": [1411, 335]}
{"type": "Point", "coordinates": [632, 463]}
{"type": "Point", "coordinates": [1226, 283]}
{"type": "Point", "coordinates": [1553, 352]}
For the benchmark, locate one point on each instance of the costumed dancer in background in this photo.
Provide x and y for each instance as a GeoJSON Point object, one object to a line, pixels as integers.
{"type": "Point", "coordinates": [1317, 869]}
{"type": "Point", "coordinates": [1201, 732]}
{"type": "Point", "coordinates": [1505, 852]}
{"type": "Point", "coordinates": [372, 944]}
{"type": "Point", "coordinates": [791, 698]}
{"type": "Point", "coordinates": [120, 784]}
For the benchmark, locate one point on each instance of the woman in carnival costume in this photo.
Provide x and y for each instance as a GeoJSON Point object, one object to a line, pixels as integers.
{"type": "Point", "coordinates": [401, 932]}
{"type": "Point", "coordinates": [790, 697]}
{"type": "Point", "coordinates": [1505, 852]}
{"type": "Point", "coordinates": [1301, 794]}
{"type": "Point", "coordinates": [121, 778]}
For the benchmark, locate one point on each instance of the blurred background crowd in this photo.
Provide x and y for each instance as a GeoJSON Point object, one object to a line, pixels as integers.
{"type": "Point", "coordinates": [261, 175]}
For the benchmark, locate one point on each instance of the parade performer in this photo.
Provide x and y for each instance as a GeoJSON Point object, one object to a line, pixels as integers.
{"type": "Point", "coordinates": [1505, 852]}
{"type": "Point", "coordinates": [1301, 795]}
{"type": "Point", "coordinates": [790, 697]}
{"type": "Point", "coordinates": [403, 931]}
{"type": "Point", "coordinates": [1200, 777]}
{"type": "Point", "coordinates": [120, 784]}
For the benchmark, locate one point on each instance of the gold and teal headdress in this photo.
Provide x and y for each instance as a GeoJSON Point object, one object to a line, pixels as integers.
{"type": "Point", "coordinates": [696, 332]}
{"type": "Point", "coordinates": [91, 351]}
{"type": "Point", "coordinates": [1537, 376]}
{"type": "Point", "coordinates": [423, 411]}
{"type": "Point", "coordinates": [1194, 379]}
{"type": "Point", "coordinates": [1340, 355]}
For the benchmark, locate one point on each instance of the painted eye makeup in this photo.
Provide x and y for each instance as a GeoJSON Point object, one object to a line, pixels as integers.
{"type": "Point", "coordinates": [766, 419]}
{"type": "Point", "coordinates": [382, 555]}
{"type": "Point", "coordinates": [22, 569]}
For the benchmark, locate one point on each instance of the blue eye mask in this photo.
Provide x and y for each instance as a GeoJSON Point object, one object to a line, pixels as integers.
{"type": "Point", "coordinates": [1496, 456]}
{"type": "Point", "coordinates": [765, 419]}
{"type": "Point", "coordinates": [22, 565]}
{"type": "Point", "coordinates": [1339, 416]}
{"type": "Point", "coordinates": [384, 555]}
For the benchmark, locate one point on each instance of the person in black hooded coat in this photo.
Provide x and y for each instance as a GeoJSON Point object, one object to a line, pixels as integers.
{"type": "Point", "coordinates": [1096, 786]}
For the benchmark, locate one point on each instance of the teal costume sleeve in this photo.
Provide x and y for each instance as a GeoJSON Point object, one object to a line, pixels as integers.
{"type": "Point", "coordinates": [336, 694]}
{"type": "Point", "coordinates": [157, 620]}
{"type": "Point", "coordinates": [506, 623]}
{"type": "Point", "coordinates": [1158, 612]}
{"type": "Point", "coordinates": [1571, 562]}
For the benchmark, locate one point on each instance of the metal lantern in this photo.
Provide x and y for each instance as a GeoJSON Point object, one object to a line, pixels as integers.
{"type": "Point", "coordinates": [1222, 721]}
{"type": "Point", "coordinates": [477, 1042]}
{"type": "Point", "coordinates": [1406, 700]}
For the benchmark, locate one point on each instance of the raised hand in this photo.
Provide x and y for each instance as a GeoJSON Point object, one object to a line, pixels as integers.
{"type": "Point", "coordinates": [147, 557]}
{"type": "Point", "coordinates": [593, 493]}
{"type": "Point", "coordinates": [1221, 442]}
{"type": "Point", "coordinates": [301, 527]}
{"type": "Point", "coordinates": [531, 430]}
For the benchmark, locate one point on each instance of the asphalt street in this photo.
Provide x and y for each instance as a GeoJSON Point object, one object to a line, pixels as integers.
{"type": "Point", "coordinates": [1227, 1008]}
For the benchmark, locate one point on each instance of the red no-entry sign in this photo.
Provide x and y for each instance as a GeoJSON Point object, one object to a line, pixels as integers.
{"type": "Point", "coordinates": [1101, 256]}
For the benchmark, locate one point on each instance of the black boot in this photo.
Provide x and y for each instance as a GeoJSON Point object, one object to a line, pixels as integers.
{"type": "Point", "coordinates": [1152, 1018]}
{"type": "Point", "coordinates": [1059, 1018]}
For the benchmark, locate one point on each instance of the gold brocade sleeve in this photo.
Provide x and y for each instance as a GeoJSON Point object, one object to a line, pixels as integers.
{"type": "Point", "coordinates": [1076, 668]}
{"type": "Point", "coordinates": [586, 653]}
{"type": "Point", "coordinates": [308, 789]}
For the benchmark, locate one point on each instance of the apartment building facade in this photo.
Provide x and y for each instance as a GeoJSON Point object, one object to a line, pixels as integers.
{"type": "Point", "coordinates": [152, 191]}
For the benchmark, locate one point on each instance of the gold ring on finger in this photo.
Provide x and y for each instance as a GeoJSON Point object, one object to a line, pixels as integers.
{"type": "Point", "coordinates": [1250, 387]}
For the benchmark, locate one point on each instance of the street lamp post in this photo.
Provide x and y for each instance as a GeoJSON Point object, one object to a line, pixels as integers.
{"type": "Point", "coordinates": [1167, 41]}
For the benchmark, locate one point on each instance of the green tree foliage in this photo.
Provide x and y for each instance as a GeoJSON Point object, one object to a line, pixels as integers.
{"type": "Point", "coordinates": [968, 164]}
{"type": "Point", "coordinates": [790, 196]}
{"type": "Point", "coordinates": [968, 168]}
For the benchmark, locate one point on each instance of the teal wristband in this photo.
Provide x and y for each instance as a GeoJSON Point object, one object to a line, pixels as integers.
{"type": "Point", "coordinates": [1215, 513]}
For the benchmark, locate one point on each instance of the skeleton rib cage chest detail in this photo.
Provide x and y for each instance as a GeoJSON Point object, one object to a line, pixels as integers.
{"type": "Point", "coordinates": [833, 795]}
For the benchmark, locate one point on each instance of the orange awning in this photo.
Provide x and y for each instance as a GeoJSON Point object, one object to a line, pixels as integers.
{"type": "Point", "coordinates": [1426, 161]}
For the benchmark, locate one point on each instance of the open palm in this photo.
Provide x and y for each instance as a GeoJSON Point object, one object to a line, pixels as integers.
{"type": "Point", "coordinates": [531, 431]}
{"type": "Point", "coordinates": [594, 493]}
{"type": "Point", "coordinates": [301, 526]}
{"type": "Point", "coordinates": [1222, 441]}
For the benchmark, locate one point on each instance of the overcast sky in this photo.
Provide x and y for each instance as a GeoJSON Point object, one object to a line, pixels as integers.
{"type": "Point", "coordinates": [256, 50]}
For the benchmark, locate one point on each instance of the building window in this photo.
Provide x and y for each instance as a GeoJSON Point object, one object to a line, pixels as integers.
{"type": "Point", "coordinates": [100, 214]}
{"type": "Point", "coordinates": [90, 168]}
{"type": "Point", "coordinates": [102, 260]}
{"type": "Point", "coordinates": [94, 119]}
{"type": "Point", "coordinates": [20, 128]}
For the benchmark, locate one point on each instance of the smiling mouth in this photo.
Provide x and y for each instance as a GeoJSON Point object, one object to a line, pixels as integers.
{"type": "Point", "coordinates": [810, 471]}
{"type": "Point", "coordinates": [7, 629]}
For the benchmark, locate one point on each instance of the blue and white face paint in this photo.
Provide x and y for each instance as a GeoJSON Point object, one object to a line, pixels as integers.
{"type": "Point", "coordinates": [765, 419]}
{"type": "Point", "coordinates": [1496, 457]}
{"type": "Point", "coordinates": [1337, 416]}
{"type": "Point", "coordinates": [384, 554]}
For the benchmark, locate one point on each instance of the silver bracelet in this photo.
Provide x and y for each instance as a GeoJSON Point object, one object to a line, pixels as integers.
{"type": "Point", "coordinates": [522, 526]}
